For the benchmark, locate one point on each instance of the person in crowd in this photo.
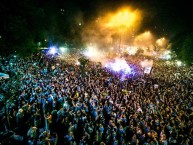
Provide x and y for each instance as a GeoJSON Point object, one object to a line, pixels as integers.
{"type": "Point", "coordinates": [54, 102]}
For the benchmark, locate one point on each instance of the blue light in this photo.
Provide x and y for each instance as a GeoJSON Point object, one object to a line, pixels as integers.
{"type": "Point", "coordinates": [120, 66]}
{"type": "Point", "coordinates": [52, 50]}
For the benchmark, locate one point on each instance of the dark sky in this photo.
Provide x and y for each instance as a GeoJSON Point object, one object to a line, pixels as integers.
{"type": "Point", "coordinates": [163, 16]}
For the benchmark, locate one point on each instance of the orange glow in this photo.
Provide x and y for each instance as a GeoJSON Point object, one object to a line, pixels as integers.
{"type": "Point", "coordinates": [162, 42]}
{"type": "Point", "coordinates": [123, 19]}
{"type": "Point", "coordinates": [145, 38]}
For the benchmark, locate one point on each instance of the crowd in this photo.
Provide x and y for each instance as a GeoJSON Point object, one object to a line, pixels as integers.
{"type": "Point", "coordinates": [53, 102]}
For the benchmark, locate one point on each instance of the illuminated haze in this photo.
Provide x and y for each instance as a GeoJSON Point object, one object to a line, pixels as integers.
{"type": "Point", "coordinates": [117, 32]}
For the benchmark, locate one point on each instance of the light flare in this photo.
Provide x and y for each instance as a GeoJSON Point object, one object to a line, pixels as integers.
{"type": "Point", "coordinates": [93, 53]}
{"type": "Point", "coordinates": [162, 42]}
{"type": "Point", "coordinates": [179, 63]}
{"type": "Point", "coordinates": [119, 66]}
{"type": "Point", "coordinates": [132, 50]}
{"type": "Point", "coordinates": [63, 50]}
{"type": "Point", "coordinates": [52, 50]}
{"type": "Point", "coordinates": [122, 19]}
{"type": "Point", "coordinates": [166, 55]}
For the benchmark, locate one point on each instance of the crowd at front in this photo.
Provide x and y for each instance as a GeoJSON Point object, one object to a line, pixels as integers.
{"type": "Point", "coordinates": [55, 102]}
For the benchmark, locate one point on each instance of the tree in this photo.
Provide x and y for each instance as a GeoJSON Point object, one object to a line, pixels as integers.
{"type": "Point", "coordinates": [182, 45]}
{"type": "Point", "coordinates": [187, 49]}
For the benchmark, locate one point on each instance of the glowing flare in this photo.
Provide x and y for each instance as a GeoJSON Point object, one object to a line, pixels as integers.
{"type": "Point", "coordinates": [52, 50]}
{"type": "Point", "coordinates": [162, 42]}
{"type": "Point", "coordinates": [124, 19]}
{"type": "Point", "coordinates": [179, 63]}
{"type": "Point", "coordinates": [132, 50]}
{"type": "Point", "coordinates": [91, 51]}
{"type": "Point", "coordinates": [63, 50]}
{"type": "Point", "coordinates": [166, 55]}
{"type": "Point", "coordinates": [119, 65]}
{"type": "Point", "coordinates": [146, 36]}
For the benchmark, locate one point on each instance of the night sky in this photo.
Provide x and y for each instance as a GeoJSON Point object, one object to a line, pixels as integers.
{"type": "Point", "coordinates": [26, 21]}
{"type": "Point", "coordinates": [163, 16]}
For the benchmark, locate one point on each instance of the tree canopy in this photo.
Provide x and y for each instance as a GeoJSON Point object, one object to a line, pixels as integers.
{"type": "Point", "coordinates": [182, 45]}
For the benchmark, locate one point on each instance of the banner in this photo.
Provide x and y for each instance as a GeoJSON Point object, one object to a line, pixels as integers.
{"type": "Point", "coordinates": [147, 70]}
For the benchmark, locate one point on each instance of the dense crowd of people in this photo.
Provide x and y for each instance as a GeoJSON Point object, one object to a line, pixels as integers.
{"type": "Point", "coordinates": [49, 101]}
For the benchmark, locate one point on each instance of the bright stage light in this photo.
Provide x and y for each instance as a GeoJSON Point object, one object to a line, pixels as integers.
{"type": "Point", "coordinates": [179, 63]}
{"type": "Point", "coordinates": [145, 39]}
{"type": "Point", "coordinates": [120, 66]}
{"type": "Point", "coordinates": [166, 55]}
{"type": "Point", "coordinates": [123, 19]}
{"type": "Point", "coordinates": [147, 33]}
{"type": "Point", "coordinates": [52, 50]}
{"type": "Point", "coordinates": [162, 42]}
{"type": "Point", "coordinates": [63, 50]}
{"type": "Point", "coordinates": [132, 50]}
{"type": "Point", "coordinates": [92, 52]}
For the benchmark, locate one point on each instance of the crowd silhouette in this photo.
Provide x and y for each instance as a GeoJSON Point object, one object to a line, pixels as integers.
{"type": "Point", "coordinates": [50, 101]}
